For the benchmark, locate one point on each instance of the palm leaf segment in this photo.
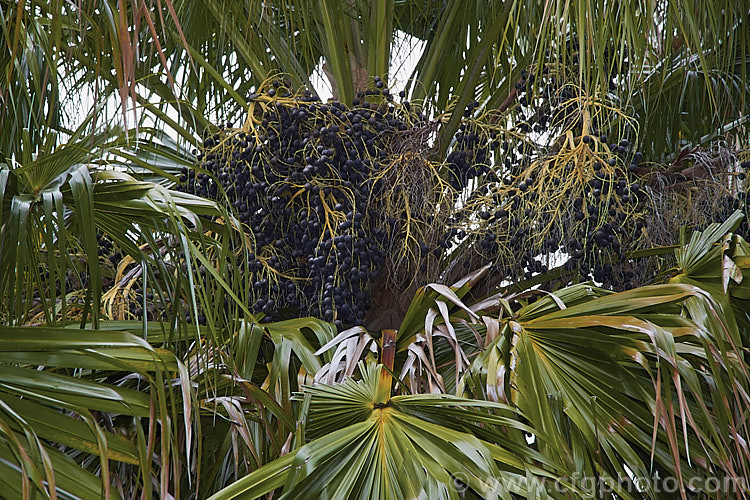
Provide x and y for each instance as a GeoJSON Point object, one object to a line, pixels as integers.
{"type": "Point", "coordinates": [47, 418]}
{"type": "Point", "coordinates": [367, 444]}
{"type": "Point", "coordinates": [624, 379]}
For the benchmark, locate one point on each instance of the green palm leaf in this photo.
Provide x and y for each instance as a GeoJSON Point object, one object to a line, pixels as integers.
{"type": "Point", "coordinates": [367, 444]}
{"type": "Point", "coordinates": [614, 381]}
{"type": "Point", "coordinates": [42, 411]}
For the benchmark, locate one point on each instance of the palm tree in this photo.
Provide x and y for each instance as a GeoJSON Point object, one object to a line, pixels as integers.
{"type": "Point", "coordinates": [134, 363]}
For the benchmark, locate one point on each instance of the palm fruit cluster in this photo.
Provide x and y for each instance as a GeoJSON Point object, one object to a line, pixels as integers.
{"type": "Point", "coordinates": [317, 186]}
{"type": "Point", "coordinates": [551, 179]}
{"type": "Point", "coordinates": [343, 200]}
{"type": "Point", "coordinates": [336, 196]}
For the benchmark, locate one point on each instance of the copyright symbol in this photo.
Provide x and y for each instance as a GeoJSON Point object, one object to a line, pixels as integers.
{"type": "Point", "coordinates": [460, 481]}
